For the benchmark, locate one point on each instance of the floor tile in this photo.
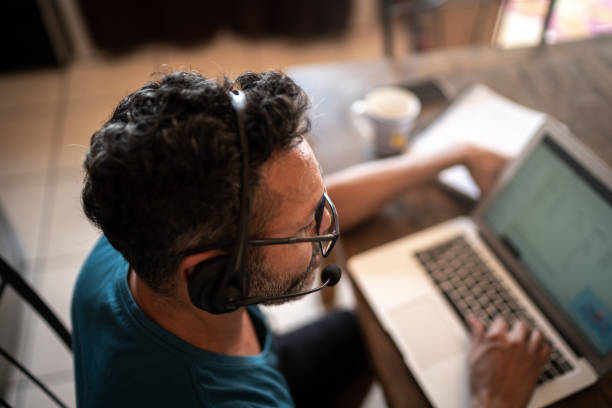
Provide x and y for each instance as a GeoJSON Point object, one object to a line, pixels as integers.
{"type": "Point", "coordinates": [27, 135]}
{"type": "Point", "coordinates": [375, 397]}
{"type": "Point", "coordinates": [344, 297]}
{"type": "Point", "coordinates": [43, 352]}
{"type": "Point", "coordinates": [62, 386]}
{"type": "Point", "coordinates": [230, 55]}
{"type": "Point", "coordinates": [365, 44]}
{"type": "Point", "coordinates": [18, 345]}
{"type": "Point", "coordinates": [55, 278]}
{"type": "Point", "coordinates": [10, 393]}
{"type": "Point", "coordinates": [23, 199]}
{"type": "Point", "coordinates": [70, 230]}
{"type": "Point", "coordinates": [291, 315]}
{"type": "Point", "coordinates": [116, 76]}
{"type": "Point", "coordinates": [224, 54]}
{"type": "Point", "coordinates": [83, 117]}
{"type": "Point", "coordinates": [29, 319]}
{"type": "Point", "coordinates": [33, 87]}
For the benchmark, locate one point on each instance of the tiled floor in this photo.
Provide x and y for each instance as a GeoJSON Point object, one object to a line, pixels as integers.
{"type": "Point", "coordinates": [46, 119]}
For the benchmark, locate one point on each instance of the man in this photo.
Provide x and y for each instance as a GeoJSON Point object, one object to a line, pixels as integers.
{"type": "Point", "coordinates": [163, 182]}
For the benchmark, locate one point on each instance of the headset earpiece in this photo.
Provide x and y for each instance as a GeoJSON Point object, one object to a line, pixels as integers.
{"type": "Point", "coordinates": [204, 286]}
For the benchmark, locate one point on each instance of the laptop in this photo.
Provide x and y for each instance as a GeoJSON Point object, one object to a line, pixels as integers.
{"type": "Point", "coordinates": [538, 247]}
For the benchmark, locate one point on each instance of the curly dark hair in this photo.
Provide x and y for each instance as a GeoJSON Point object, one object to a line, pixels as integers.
{"type": "Point", "coordinates": [162, 176]}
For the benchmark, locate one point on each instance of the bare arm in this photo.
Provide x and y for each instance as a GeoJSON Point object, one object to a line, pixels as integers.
{"type": "Point", "coordinates": [359, 191]}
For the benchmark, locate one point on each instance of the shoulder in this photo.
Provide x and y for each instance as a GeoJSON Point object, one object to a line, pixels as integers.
{"type": "Point", "coordinates": [103, 266]}
{"type": "Point", "coordinates": [103, 255]}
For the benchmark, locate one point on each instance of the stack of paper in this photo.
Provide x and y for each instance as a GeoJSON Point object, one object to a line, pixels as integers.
{"type": "Point", "coordinates": [484, 118]}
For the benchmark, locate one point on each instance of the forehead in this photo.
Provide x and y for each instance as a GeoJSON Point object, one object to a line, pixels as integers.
{"type": "Point", "coordinates": [293, 183]}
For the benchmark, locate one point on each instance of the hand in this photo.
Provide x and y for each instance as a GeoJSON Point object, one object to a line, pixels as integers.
{"type": "Point", "coordinates": [504, 366]}
{"type": "Point", "coordinates": [484, 165]}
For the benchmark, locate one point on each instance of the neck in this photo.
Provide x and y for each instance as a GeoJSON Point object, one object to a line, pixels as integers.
{"type": "Point", "coordinates": [231, 333]}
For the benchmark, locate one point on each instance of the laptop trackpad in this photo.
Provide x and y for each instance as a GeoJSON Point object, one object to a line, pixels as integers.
{"type": "Point", "coordinates": [428, 332]}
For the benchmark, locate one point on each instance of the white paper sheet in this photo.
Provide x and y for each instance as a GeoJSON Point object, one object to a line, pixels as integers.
{"type": "Point", "coordinates": [481, 117]}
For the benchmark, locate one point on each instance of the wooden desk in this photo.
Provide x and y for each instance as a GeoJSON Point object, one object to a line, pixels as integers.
{"type": "Point", "coordinates": [571, 81]}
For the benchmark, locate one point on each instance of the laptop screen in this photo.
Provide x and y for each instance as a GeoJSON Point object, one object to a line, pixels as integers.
{"type": "Point", "coordinates": [557, 220]}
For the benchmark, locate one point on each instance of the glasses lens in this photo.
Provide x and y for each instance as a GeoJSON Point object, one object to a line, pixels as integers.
{"type": "Point", "coordinates": [319, 215]}
{"type": "Point", "coordinates": [326, 224]}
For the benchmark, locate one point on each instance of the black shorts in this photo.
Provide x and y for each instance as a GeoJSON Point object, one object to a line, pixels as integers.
{"type": "Point", "coordinates": [325, 360]}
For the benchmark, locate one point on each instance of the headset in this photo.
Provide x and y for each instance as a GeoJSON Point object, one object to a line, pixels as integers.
{"type": "Point", "coordinates": [217, 284]}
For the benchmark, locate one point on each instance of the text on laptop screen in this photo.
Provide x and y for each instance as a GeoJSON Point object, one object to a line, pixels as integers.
{"type": "Point", "coordinates": [557, 220]}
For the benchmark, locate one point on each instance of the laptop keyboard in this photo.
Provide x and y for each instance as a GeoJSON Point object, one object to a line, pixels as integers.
{"type": "Point", "coordinates": [472, 288]}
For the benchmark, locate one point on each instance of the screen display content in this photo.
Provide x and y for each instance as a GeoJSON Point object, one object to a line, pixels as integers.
{"type": "Point", "coordinates": [557, 220]}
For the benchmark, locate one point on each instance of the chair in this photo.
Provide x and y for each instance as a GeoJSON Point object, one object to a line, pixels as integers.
{"type": "Point", "coordinates": [11, 260]}
{"type": "Point", "coordinates": [545, 22]}
{"type": "Point", "coordinates": [413, 12]}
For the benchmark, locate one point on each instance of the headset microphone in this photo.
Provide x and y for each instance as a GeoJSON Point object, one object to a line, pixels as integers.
{"type": "Point", "coordinates": [329, 276]}
{"type": "Point", "coordinates": [331, 273]}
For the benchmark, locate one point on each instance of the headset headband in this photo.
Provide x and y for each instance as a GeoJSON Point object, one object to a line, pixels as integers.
{"type": "Point", "coordinates": [238, 100]}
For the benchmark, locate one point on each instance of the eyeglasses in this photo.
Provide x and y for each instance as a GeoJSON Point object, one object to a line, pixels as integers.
{"type": "Point", "coordinates": [326, 239]}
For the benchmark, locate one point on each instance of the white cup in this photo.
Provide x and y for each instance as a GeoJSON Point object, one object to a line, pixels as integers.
{"type": "Point", "coordinates": [385, 116]}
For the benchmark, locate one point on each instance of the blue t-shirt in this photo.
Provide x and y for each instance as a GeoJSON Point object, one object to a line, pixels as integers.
{"type": "Point", "coordinates": [123, 358]}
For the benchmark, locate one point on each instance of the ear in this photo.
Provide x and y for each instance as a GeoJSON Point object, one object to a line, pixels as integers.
{"type": "Point", "coordinates": [186, 266]}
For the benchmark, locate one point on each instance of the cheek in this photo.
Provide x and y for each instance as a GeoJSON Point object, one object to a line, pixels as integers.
{"type": "Point", "coordinates": [288, 259]}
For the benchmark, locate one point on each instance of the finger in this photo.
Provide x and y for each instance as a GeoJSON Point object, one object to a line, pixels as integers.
{"type": "Point", "coordinates": [545, 351]}
{"type": "Point", "coordinates": [536, 342]}
{"type": "Point", "coordinates": [476, 328]}
{"type": "Point", "coordinates": [520, 332]}
{"type": "Point", "coordinates": [498, 329]}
